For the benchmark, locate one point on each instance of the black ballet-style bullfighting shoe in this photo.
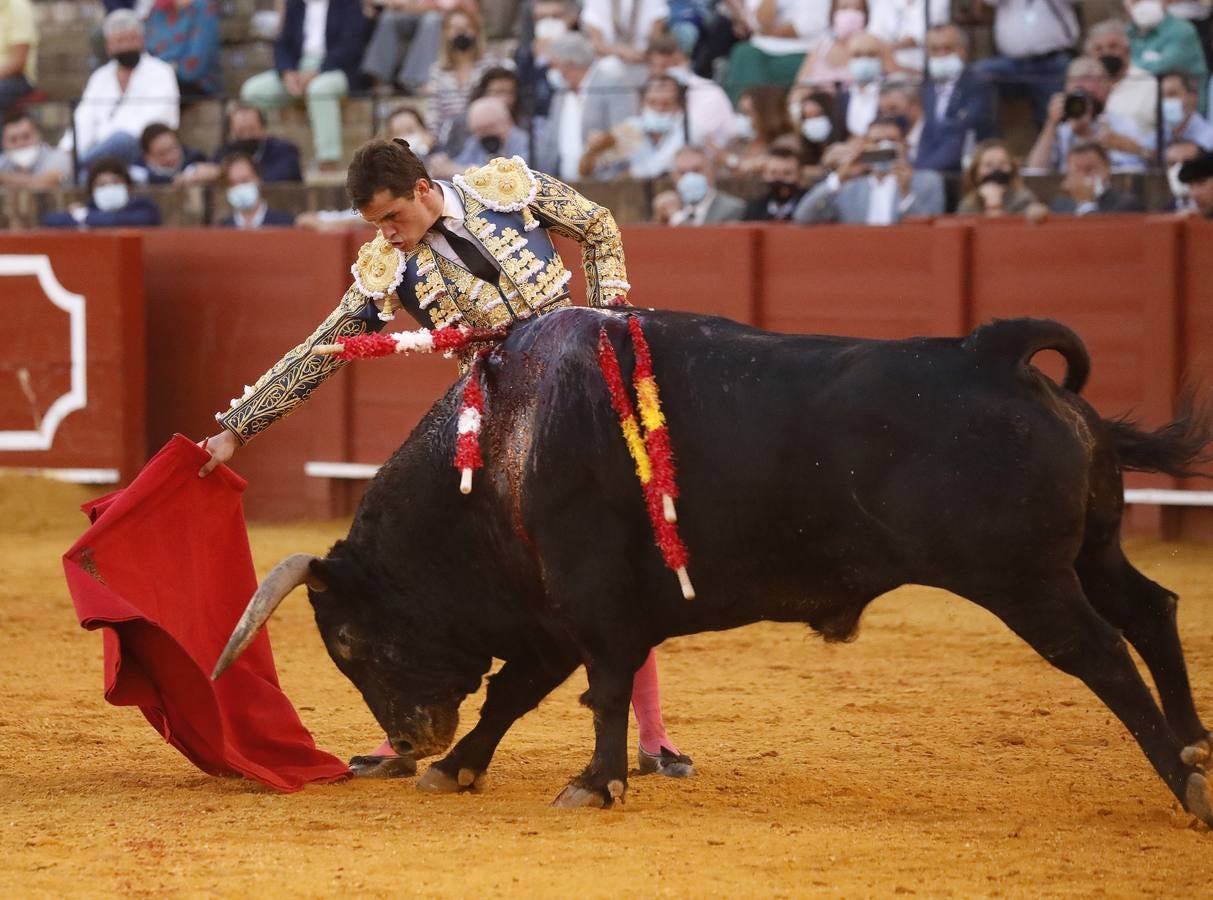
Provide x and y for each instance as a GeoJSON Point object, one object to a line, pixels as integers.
{"type": "Point", "coordinates": [665, 762]}
{"type": "Point", "coordinates": [370, 766]}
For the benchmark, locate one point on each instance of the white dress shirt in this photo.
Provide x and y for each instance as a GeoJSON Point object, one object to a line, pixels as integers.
{"type": "Point", "coordinates": [453, 213]}
{"type": "Point", "coordinates": [696, 212]}
{"type": "Point", "coordinates": [315, 20]}
{"type": "Point", "coordinates": [104, 110]}
{"type": "Point", "coordinates": [254, 221]}
{"type": "Point", "coordinates": [882, 200]}
{"type": "Point", "coordinates": [1136, 98]}
{"type": "Point", "coordinates": [570, 143]}
{"type": "Point", "coordinates": [627, 22]}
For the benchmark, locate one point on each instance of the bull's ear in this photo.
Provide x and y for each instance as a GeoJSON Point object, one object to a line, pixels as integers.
{"type": "Point", "coordinates": [315, 578]}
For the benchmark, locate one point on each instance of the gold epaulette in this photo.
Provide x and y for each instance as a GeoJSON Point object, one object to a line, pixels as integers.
{"type": "Point", "coordinates": [378, 271]}
{"type": "Point", "coordinates": [503, 185]}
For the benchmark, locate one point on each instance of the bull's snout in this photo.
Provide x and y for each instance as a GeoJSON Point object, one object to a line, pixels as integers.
{"type": "Point", "coordinates": [428, 732]}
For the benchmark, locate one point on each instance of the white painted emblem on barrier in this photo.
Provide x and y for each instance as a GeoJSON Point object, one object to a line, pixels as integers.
{"type": "Point", "coordinates": [77, 396]}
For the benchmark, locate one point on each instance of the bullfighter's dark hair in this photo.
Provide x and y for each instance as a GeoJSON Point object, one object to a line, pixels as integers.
{"type": "Point", "coordinates": [383, 164]}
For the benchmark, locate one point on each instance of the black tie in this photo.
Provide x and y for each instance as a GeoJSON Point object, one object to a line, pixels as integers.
{"type": "Point", "coordinates": [475, 261]}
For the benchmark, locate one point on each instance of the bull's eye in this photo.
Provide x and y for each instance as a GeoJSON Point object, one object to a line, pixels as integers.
{"type": "Point", "coordinates": [344, 642]}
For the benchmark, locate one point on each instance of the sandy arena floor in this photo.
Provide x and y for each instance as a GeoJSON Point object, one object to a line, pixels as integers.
{"type": "Point", "coordinates": [935, 756]}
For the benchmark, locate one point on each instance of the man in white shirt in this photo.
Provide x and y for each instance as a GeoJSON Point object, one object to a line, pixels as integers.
{"type": "Point", "coordinates": [644, 145]}
{"type": "Point", "coordinates": [623, 28]}
{"type": "Point", "coordinates": [1034, 40]}
{"type": "Point", "coordinates": [710, 116]}
{"type": "Point", "coordinates": [1134, 93]}
{"type": "Point", "coordinates": [902, 25]}
{"type": "Point", "coordinates": [124, 96]}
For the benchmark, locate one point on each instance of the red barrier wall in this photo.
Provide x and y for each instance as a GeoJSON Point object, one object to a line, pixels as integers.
{"type": "Point", "coordinates": [1196, 359]}
{"type": "Point", "coordinates": [100, 278]}
{"type": "Point", "coordinates": [223, 306]}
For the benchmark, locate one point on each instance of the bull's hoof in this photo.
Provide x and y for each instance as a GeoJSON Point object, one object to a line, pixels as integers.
{"type": "Point", "coordinates": [666, 762]}
{"type": "Point", "coordinates": [436, 781]}
{"type": "Point", "coordinates": [383, 767]}
{"type": "Point", "coordinates": [577, 795]}
{"type": "Point", "coordinates": [1195, 753]}
{"type": "Point", "coordinates": [1198, 799]}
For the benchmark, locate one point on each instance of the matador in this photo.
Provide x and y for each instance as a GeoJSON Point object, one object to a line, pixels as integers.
{"type": "Point", "coordinates": [474, 251]}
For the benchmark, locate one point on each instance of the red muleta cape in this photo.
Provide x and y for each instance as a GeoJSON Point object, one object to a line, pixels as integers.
{"type": "Point", "coordinates": [165, 572]}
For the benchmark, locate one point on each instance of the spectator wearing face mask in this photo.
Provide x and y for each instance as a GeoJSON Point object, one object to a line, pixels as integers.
{"type": "Point", "coordinates": [956, 106]}
{"type": "Point", "coordinates": [862, 96]}
{"type": "Point", "coordinates": [122, 97]}
{"type": "Point", "coordinates": [404, 43]}
{"type": "Point", "coordinates": [1034, 39]}
{"type": "Point", "coordinates": [873, 185]}
{"type": "Point", "coordinates": [1197, 174]}
{"type": "Point", "coordinates": [317, 59]}
{"type": "Point", "coordinates": [1177, 154]}
{"type": "Point", "coordinates": [1086, 189]}
{"type": "Point", "coordinates": [993, 187]}
{"type": "Point", "coordinates": [902, 24]}
{"type": "Point", "coordinates": [710, 115]}
{"type": "Point", "coordinates": [18, 51]}
{"type": "Point", "coordinates": [1078, 116]}
{"type": "Point", "coordinates": [110, 202]}
{"type": "Point", "coordinates": [699, 201]}
{"type": "Point", "coordinates": [27, 161]}
{"type": "Point", "coordinates": [493, 134]}
{"type": "Point", "coordinates": [165, 160]}
{"type": "Point", "coordinates": [462, 62]}
{"type": "Point", "coordinates": [277, 158]}
{"type": "Point", "coordinates": [781, 175]}
{"type": "Point", "coordinates": [815, 117]}
{"type": "Point", "coordinates": [643, 146]}
{"type": "Point", "coordinates": [1180, 119]}
{"type": "Point", "coordinates": [562, 134]}
{"type": "Point", "coordinates": [781, 33]}
{"type": "Point", "coordinates": [1134, 93]}
{"type": "Point", "coordinates": [406, 123]}
{"type": "Point", "coordinates": [828, 65]}
{"type": "Point", "coordinates": [185, 34]}
{"type": "Point", "coordinates": [1161, 43]}
{"type": "Point", "coordinates": [242, 189]}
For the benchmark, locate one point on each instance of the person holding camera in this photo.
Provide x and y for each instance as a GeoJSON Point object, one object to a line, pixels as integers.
{"type": "Point", "coordinates": [1086, 188]}
{"type": "Point", "coordinates": [1078, 116]}
{"type": "Point", "coordinates": [874, 184]}
{"type": "Point", "coordinates": [993, 187]}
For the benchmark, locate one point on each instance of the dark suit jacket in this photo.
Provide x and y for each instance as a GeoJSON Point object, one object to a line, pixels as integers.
{"type": "Point", "coordinates": [272, 217]}
{"type": "Point", "coordinates": [942, 143]}
{"type": "Point", "coordinates": [1110, 201]}
{"type": "Point", "coordinates": [345, 37]}
{"type": "Point", "coordinates": [756, 209]}
{"type": "Point", "coordinates": [277, 159]}
{"type": "Point", "coordinates": [140, 212]}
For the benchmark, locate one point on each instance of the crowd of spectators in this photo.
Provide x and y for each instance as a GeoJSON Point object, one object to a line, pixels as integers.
{"type": "Point", "coordinates": [853, 111]}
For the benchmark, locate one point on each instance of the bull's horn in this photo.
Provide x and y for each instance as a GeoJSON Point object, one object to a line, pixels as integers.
{"type": "Point", "coordinates": [284, 578]}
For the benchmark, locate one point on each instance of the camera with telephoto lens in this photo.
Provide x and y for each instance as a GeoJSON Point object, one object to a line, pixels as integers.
{"type": "Point", "coordinates": [879, 156]}
{"type": "Point", "coordinates": [1076, 105]}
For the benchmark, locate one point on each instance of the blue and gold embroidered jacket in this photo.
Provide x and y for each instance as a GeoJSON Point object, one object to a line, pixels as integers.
{"type": "Point", "coordinates": [509, 210]}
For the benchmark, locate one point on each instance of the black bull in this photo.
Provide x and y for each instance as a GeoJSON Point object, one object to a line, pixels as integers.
{"type": "Point", "coordinates": [816, 474]}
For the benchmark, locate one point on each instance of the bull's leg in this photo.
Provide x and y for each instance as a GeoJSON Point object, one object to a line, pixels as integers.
{"type": "Point", "coordinates": [1145, 612]}
{"type": "Point", "coordinates": [1054, 616]}
{"type": "Point", "coordinates": [513, 692]}
{"type": "Point", "coordinates": [605, 779]}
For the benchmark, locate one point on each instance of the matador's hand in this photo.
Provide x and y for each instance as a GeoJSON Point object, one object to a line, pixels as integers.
{"type": "Point", "coordinates": [221, 447]}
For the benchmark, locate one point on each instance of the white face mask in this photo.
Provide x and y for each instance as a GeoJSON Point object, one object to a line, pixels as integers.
{"type": "Point", "coordinates": [550, 28]}
{"type": "Point", "coordinates": [945, 68]}
{"type": "Point", "coordinates": [865, 68]}
{"type": "Point", "coordinates": [24, 157]}
{"type": "Point", "coordinates": [1172, 110]}
{"type": "Point", "coordinates": [1146, 14]}
{"type": "Point", "coordinates": [816, 129]}
{"type": "Point", "coordinates": [743, 128]}
{"type": "Point", "coordinates": [557, 80]}
{"type": "Point", "coordinates": [418, 143]}
{"type": "Point", "coordinates": [908, 58]}
{"type": "Point", "coordinates": [244, 197]}
{"type": "Point", "coordinates": [109, 197]}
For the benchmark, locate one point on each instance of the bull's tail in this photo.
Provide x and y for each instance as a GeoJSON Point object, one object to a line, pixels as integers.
{"type": "Point", "coordinates": [1017, 340]}
{"type": "Point", "coordinates": [1176, 449]}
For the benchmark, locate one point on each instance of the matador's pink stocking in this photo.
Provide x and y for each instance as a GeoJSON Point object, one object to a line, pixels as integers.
{"type": "Point", "coordinates": [646, 702]}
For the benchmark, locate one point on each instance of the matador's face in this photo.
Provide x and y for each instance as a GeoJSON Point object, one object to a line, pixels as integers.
{"type": "Point", "coordinates": [403, 221]}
